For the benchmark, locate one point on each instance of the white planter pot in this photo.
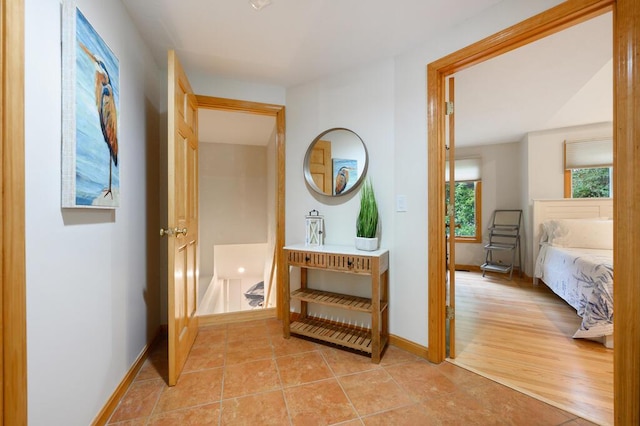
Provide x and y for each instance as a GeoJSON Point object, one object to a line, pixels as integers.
{"type": "Point", "coordinates": [366, 244]}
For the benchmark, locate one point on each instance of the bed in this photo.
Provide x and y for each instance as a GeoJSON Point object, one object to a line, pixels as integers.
{"type": "Point", "coordinates": [574, 258]}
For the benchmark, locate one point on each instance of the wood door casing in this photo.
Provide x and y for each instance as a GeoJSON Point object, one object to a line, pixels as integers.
{"type": "Point", "coordinates": [13, 283]}
{"type": "Point", "coordinates": [182, 200]}
{"type": "Point", "coordinates": [277, 111]}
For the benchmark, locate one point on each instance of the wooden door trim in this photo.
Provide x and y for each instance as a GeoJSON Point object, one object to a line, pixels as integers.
{"type": "Point", "coordinates": [277, 111]}
{"type": "Point", "coordinates": [13, 332]}
{"type": "Point", "coordinates": [626, 175]}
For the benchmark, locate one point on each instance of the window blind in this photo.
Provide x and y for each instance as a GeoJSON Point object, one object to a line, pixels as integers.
{"type": "Point", "coordinates": [467, 169]}
{"type": "Point", "coordinates": [587, 154]}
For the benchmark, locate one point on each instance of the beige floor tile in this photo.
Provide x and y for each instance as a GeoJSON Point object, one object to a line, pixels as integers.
{"type": "Point", "coordinates": [248, 344]}
{"type": "Point", "coordinates": [246, 331]}
{"type": "Point", "coordinates": [139, 400]}
{"type": "Point", "coordinates": [211, 336]}
{"type": "Point", "coordinates": [274, 327]}
{"type": "Point", "coordinates": [153, 368]}
{"type": "Point", "coordinates": [516, 408]}
{"type": "Point", "coordinates": [405, 416]}
{"type": "Point", "coordinates": [192, 389]}
{"type": "Point", "coordinates": [461, 377]}
{"type": "Point", "coordinates": [319, 403]}
{"type": "Point", "coordinates": [343, 362]}
{"type": "Point", "coordinates": [250, 377]}
{"type": "Point", "coordinates": [260, 409]}
{"type": "Point", "coordinates": [303, 368]}
{"type": "Point", "coordinates": [393, 355]}
{"type": "Point", "coordinates": [291, 346]}
{"type": "Point", "coordinates": [203, 357]}
{"type": "Point", "coordinates": [421, 380]}
{"type": "Point", "coordinates": [204, 415]}
{"type": "Point", "coordinates": [240, 380]}
{"type": "Point", "coordinates": [373, 391]}
{"type": "Point", "coordinates": [247, 354]}
{"type": "Point", "coordinates": [459, 408]}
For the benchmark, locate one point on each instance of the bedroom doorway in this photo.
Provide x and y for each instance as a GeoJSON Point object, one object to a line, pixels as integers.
{"type": "Point", "coordinates": [510, 364]}
{"type": "Point", "coordinates": [625, 123]}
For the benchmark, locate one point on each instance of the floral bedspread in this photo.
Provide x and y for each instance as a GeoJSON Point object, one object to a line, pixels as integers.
{"type": "Point", "coordinates": [584, 279]}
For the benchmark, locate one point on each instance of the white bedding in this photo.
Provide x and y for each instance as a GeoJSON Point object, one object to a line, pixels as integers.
{"type": "Point", "coordinates": [583, 277]}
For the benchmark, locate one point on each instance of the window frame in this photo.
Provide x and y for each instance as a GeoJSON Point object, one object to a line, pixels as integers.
{"type": "Point", "coordinates": [477, 238]}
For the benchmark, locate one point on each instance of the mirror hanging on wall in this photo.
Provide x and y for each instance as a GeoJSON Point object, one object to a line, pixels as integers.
{"type": "Point", "coordinates": [336, 162]}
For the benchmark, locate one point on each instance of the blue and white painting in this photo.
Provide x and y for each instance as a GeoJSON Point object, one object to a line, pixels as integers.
{"type": "Point", "coordinates": [345, 175]}
{"type": "Point", "coordinates": [96, 107]}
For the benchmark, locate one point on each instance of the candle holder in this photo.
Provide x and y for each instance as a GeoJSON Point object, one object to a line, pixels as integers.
{"type": "Point", "coordinates": [314, 235]}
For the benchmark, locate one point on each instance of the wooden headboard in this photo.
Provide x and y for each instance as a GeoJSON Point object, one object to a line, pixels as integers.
{"type": "Point", "coordinates": [567, 208]}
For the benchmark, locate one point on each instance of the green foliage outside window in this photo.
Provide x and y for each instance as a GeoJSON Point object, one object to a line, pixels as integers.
{"type": "Point", "coordinates": [590, 183]}
{"type": "Point", "coordinates": [465, 199]}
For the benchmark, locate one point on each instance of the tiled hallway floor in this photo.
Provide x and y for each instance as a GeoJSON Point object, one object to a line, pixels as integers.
{"type": "Point", "coordinates": [248, 374]}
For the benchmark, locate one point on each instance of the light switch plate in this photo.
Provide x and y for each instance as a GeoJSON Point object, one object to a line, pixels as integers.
{"type": "Point", "coordinates": [401, 203]}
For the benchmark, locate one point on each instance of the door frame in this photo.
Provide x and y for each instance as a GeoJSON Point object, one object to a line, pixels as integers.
{"type": "Point", "coordinates": [277, 111]}
{"type": "Point", "coordinates": [13, 303]}
{"type": "Point", "coordinates": [626, 41]}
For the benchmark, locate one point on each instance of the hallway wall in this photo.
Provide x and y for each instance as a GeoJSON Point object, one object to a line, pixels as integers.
{"type": "Point", "coordinates": [93, 290]}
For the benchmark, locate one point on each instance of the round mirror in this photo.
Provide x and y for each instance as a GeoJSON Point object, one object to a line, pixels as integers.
{"type": "Point", "coordinates": [336, 162]}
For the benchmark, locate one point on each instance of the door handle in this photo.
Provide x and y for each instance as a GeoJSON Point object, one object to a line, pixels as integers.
{"type": "Point", "coordinates": [175, 231]}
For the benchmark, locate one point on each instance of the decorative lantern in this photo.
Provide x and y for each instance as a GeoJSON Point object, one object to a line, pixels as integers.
{"type": "Point", "coordinates": [315, 229]}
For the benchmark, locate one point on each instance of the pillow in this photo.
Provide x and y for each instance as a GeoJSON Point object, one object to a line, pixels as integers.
{"type": "Point", "coordinates": [583, 233]}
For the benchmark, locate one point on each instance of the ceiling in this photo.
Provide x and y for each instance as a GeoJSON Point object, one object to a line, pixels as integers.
{"type": "Point", "coordinates": [560, 81]}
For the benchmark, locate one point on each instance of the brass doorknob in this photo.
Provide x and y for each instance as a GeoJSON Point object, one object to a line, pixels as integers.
{"type": "Point", "coordinates": [175, 231]}
{"type": "Point", "coordinates": [179, 231]}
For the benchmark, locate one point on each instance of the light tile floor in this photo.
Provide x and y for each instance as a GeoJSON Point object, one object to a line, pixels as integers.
{"type": "Point", "coordinates": [248, 374]}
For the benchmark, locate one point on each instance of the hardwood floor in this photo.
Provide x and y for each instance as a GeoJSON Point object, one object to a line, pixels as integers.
{"type": "Point", "coordinates": [519, 335]}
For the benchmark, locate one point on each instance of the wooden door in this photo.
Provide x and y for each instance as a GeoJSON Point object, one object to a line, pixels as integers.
{"type": "Point", "coordinates": [451, 211]}
{"type": "Point", "coordinates": [320, 166]}
{"type": "Point", "coordinates": [182, 233]}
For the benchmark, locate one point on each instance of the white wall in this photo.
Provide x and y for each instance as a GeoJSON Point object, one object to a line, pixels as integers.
{"type": "Point", "coordinates": [362, 101]}
{"type": "Point", "coordinates": [501, 177]}
{"type": "Point", "coordinates": [92, 275]}
{"type": "Point", "coordinates": [233, 198]}
{"type": "Point", "coordinates": [235, 89]}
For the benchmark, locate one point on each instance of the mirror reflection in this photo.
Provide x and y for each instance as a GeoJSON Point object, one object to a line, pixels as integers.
{"type": "Point", "coordinates": [336, 162]}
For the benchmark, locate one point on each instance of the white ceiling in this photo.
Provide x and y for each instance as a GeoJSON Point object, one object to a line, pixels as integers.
{"type": "Point", "coordinates": [291, 41]}
{"type": "Point", "coordinates": [562, 80]}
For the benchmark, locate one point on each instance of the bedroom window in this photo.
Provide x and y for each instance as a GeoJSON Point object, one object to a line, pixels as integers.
{"type": "Point", "coordinates": [588, 168]}
{"type": "Point", "coordinates": [468, 197]}
{"type": "Point", "coordinates": [591, 183]}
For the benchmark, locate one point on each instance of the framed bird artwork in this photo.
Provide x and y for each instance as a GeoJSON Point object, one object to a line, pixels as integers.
{"type": "Point", "coordinates": [91, 106]}
{"type": "Point", "coordinates": [345, 174]}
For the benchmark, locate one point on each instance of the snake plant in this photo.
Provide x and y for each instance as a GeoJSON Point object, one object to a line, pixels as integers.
{"type": "Point", "coordinates": [367, 223]}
